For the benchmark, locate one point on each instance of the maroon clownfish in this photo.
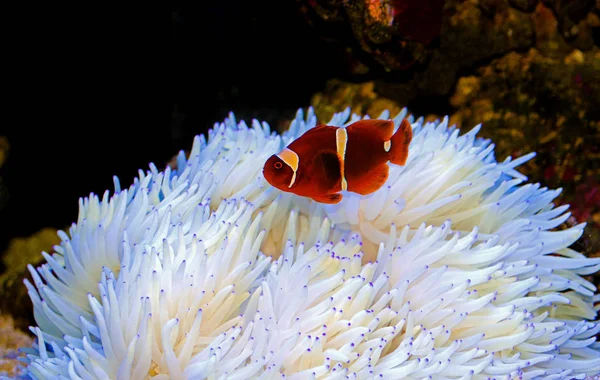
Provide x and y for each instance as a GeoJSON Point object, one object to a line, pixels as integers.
{"type": "Point", "coordinates": [326, 160]}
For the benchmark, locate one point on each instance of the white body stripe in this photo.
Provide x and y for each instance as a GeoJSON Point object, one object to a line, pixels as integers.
{"type": "Point", "coordinates": [341, 141]}
{"type": "Point", "coordinates": [291, 159]}
{"type": "Point", "coordinates": [387, 145]}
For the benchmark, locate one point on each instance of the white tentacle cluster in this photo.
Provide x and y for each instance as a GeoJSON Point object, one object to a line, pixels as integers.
{"type": "Point", "coordinates": [452, 270]}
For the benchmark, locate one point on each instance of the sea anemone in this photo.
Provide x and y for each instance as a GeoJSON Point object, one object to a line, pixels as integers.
{"type": "Point", "coordinates": [452, 270]}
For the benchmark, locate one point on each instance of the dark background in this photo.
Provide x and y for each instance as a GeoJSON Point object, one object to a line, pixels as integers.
{"type": "Point", "coordinates": [103, 92]}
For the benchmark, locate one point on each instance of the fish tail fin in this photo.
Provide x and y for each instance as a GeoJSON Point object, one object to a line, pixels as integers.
{"type": "Point", "coordinates": [399, 143]}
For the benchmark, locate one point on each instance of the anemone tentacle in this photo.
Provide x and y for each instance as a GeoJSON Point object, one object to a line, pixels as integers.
{"type": "Point", "coordinates": [454, 269]}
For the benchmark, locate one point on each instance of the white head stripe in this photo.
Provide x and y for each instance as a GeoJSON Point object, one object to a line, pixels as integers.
{"type": "Point", "coordinates": [292, 180]}
{"type": "Point", "coordinates": [291, 159]}
{"type": "Point", "coordinates": [341, 141]}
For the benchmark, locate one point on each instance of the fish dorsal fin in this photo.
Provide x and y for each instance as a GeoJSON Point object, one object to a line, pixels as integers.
{"type": "Point", "coordinates": [317, 129]}
{"type": "Point", "coordinates": [329, 162]}
{"type": "Point", "coordinates": [384, 129]}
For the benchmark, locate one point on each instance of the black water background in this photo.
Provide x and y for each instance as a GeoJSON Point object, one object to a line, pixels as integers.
{"type": "Point", "coordinates": [105, 91]}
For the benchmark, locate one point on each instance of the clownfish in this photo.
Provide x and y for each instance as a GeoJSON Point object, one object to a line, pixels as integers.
{"type": "Point", "coordinates": [326, 160]}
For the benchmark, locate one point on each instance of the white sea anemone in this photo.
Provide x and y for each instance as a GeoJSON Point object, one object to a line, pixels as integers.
{"type": "Point", "coordinates": [205, 271]}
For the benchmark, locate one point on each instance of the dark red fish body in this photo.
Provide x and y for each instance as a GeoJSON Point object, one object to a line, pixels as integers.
{"type": "Point", "coordinates": [326, 160]}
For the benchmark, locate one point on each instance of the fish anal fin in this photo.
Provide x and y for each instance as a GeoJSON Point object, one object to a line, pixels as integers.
{"type": "Point", "coordinates": [400, 142]}
{"type": "Point", "coordinates": [383, 129]}
{"type": "Point", "coordinates": [328, 198]}
{"type": "Point", "coordinates": [329, 163]}
{"type": "Point", "coordinates": [371, 181]}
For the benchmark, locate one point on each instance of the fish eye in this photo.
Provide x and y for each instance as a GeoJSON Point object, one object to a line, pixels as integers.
{"type": "Point", "coordinates": [278, 165]}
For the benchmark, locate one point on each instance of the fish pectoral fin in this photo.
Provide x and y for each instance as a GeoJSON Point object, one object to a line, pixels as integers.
{"type": "Point", "coordinates": [383, 129]}
{"type": "Point", "coordinates": [329, 163]}
{"type": "Point", "coordinates": [371, 181]}
{"type": "Point", "coordinates": [328, 198]}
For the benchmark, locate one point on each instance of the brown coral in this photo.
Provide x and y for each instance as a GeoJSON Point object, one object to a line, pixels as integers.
{"type": "Point", "coordinates": [510, 66]}
{"type": "Point", "coordinates": [20, 252]}
{"type": "Point", "coordinates": [11, 339]}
